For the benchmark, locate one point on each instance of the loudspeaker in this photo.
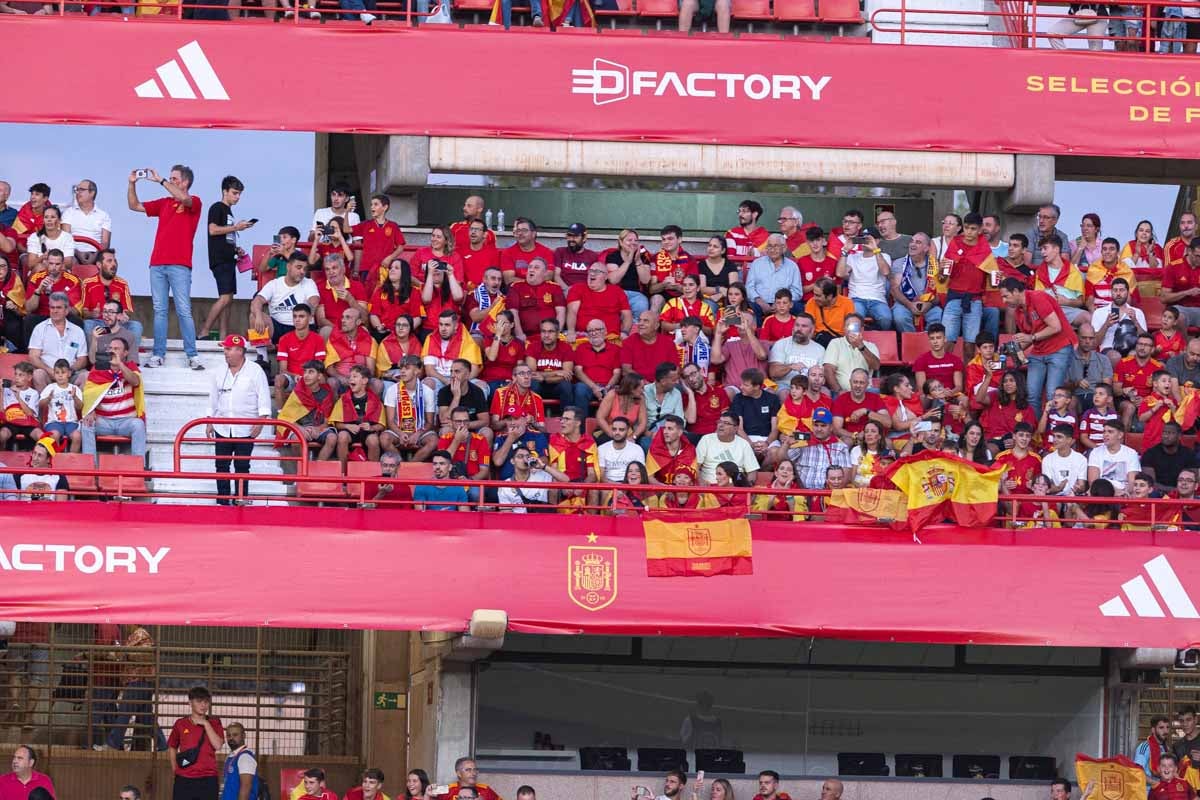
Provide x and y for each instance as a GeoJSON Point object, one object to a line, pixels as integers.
{"type": "Point", "coordinates": [1032, 768]}
{"type": "Point", "coordinates": [728, 762]}
{"type": "Point", "coordinates": [972, 766]}
{"type": "Point", "coordinates": [604, 759]}
{"type": "Point", "coordinates": [862, 764]}
{"type": "Point", "coordinates": [661, 759]}
{"type": "Point", "coordinates": [918, 765]}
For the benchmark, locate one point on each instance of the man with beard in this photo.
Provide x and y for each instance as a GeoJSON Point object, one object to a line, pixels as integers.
{"type": "Point", "coordinates": [794, 356]}
{"type": "Point", "coordinates": [572, 261]}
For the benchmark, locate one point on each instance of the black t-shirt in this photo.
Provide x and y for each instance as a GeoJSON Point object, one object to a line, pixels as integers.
{"type": "Point", "coordinates": [629, 281]}
{"type": "Point", "coordinates": [730, 272]}
{"type": "Point", "coordinates": [1167, 467]}
{"type": "Point", "coordinates": [473, 400]}
{"type": "Point", "coordinates": [222, 249]}
{"type": "Point", "coordinates": [360, 406]}
{"type": "Point", "coordinates": [756, 413]}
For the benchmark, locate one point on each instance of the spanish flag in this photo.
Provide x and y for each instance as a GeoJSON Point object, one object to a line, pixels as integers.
{"type": "Point", "coordinates": [99, 381]}
{"type": "Point", "coordinates": [868, 506]}
{"type": "Point", "coordinates": [15, 291]}
{"type": "Point", "coordinates": [1115, 778]}
{"type": "Point", "coordinates": [344, 411]}
{"type": "Point", "coordinates": [931, 480]}
{"type": "Point", "coordinates": [662, 465]}
{"type": "Point", "coordinates": [1185, 414]}
{"type": "Point", "coordinates": [305, 407]}
{"type": "Point", "coordinates": [696, 543]}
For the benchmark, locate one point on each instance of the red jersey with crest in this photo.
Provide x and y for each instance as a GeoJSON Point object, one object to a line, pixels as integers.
{"type": "Point", "coordinates": [1022, 469]}
{"type": "Point", "coordinates": [1130, 373]}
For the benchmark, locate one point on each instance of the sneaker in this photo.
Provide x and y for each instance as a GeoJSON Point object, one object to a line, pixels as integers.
{"type": "Point", "coordinates": [289, 14]}
{"type": "Point", "coordinates": [101, 747]}
{"type": "Point", "coordinates": [195, 363]}
{"type": "Point", "coordinates": [314, 15]}
{"type": "Point", "coordinates": [153, 361]}
{"type": "Point", "coordinates": [367, 19]}
{"type": "Point", "coordinates": [537, 22]}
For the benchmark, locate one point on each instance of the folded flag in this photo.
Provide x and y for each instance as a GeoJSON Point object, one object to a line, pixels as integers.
{"type": "Point", "coordinates": [933, 480]}
{"type": "Point", "coordinates": [1115, 778]}
{"type": "Point", "coordinates": [696, 543]}
{"type": "Point", "coordinates": [868, 506]}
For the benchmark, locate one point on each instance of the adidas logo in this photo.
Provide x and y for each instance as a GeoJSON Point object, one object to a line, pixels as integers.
{"type": "Point", "coordinates": [175, 77]}
{"type": "Point", "coordinates": [1144, 603]}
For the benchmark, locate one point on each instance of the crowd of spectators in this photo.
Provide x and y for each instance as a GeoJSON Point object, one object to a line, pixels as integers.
{"type": "Point", "coordinates": [640, 365]}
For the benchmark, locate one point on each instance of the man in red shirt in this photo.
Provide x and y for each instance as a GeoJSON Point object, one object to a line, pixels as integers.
{"type": "Point", "coordinates": [1181, 282]}
{"type": "Point", "coordinates": [478, 253]}
{"type": "Point", "coordinates": [337, 293]}
{"type": "Point", "coordinates": [192, 747]}
{"type": "Point", "coordinates": [514, 259]}
{"type": "Point", "coordinates": [768, 787]}
{"type": "Point", "coordinates": [171, 259]}
{"type": "Point", "coordinates": [314, 786]}
{"type": "Point", "coordinates": [382, 241]}
{"type": "Point", "coordinates": [469, 450]}
{"type": "Point", "coordinates": [1175, 249]}
{"type": "Point", "coordinates": [1021, 464]}
{"type": "Point", "coordinates": [1171, 786]}
{"type": "Point", "coordinates": [517, 399]}
{"type": "Point", "coordinates": [473, 211]}
{"type": "Point", "coordinates": [937, 363]}
{"type": "Point", "coordinates": [646, 348]}
{"type": "Point", "coordinates": [598, 300]}
{"type": "Point", "coordinates": [1133, 377]}
{"type": "Point", "coordinates": [668, 267]}
{"type": "Point", "coordinates": [967, 259]}
{"type": "Point", "coordinates": [852, 409]}
{"type": "Point", "coordinates": [104, 286]}
{"type": "Point", "coordinates": [597, 364]}
{"type": "Point", "coordinates": [17, 785]}
{"type": "Point", "coordinates": [348, 347]}
{"type": "Point", "coordinates": [42, 284]}
{"type": "Point", "coordinates": [571, 262]}
{"type": "Point", "coordinates": [297, 348]}
{"type": "Point", "coordinates": [746, 240]}
{"type": "Point", "coordinates": [553, 363]}
{"type": "Point", "coordinates": [371, 786]}
{"type": "Point", "coordinates": [818, 263]}
{"type": "Point", "coordinates": [1044, 335]}
{"type": "Point", "coordinates": [536, 299]}
{"type": "Point", "coordinates": [703, 405]}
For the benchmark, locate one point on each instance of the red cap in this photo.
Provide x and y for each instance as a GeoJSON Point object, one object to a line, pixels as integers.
{"type": "Point", "coordinates": [234, 340]}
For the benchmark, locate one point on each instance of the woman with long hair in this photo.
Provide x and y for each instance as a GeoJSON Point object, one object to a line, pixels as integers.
{"type": "Point", "coordinates": [12, 295]}
{"type": "Point", "coordinates": [903, 404]}
{"type": "Point", "coordinates": [721, 790]}
{"type": "Point", "coordinates": [392, 299]}
{"type": "Point", "coordinates": [629, 268]}
{"type": "Point", "coordinates": [52, 236]}
{"type": "Point", "coordinates": [1004, 409]}
{"type": "Point", "coordinates": [440, 250]}
{"type": "Point", "coordinates": [338, 241]}
{"type": "Point", "coordinates": [1096, 515]}
{"type": "Point", "coordinates": [866, 456]}
{"type": "Point", "coordinates": [1143, 254]}
{"type": "Point", "coordinates": [441, 291]}
{"type": "Point", "coordinates": [717, 272]}
{"type": "Point", "coordinates": [737, 298]}
{"type": "Point", "coordinates": [502, 352]}
{"type": "Point", "coordinates": [415, 784]}
{"type": "Point", "coordinates": [730, 476]}
{"type": "Point", "coordinates": [1087, 246]}
{"type": "Point", "coordinates": [776, 503]}
{"type": "Point", "coordinates": [971, 444]}
{"type": "Point", "coordinates": [627, 401]}
{"type": "Point", "coordinates": [634, 500]}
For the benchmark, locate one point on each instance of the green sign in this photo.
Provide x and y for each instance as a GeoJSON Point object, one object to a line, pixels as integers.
{"type": "Point", "coordinates": [390, 701]}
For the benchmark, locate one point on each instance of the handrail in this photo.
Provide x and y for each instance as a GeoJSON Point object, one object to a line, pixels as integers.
{"type": "Point", "coordinates": [181, 439]}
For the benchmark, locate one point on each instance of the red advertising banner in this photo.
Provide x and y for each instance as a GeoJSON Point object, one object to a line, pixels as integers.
{"type": "Point", "coordinates": [603, 86]}
{"type": "Point", "coordinates": [297, 567]}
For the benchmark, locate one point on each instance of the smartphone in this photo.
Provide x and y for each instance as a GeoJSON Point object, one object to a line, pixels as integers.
{"type": "Point", "coordinates": [853, 327]}
{"type": "Point", "coordinates": [254, 221]}
{"type": "Point", "coordinates": [858, 239]}
{"type": "Point", "coordinates": [700, 775]}
{"type": "Point", "coordinates": [142, 173]}
{"type": "Point", "coordinates": [275, 239]}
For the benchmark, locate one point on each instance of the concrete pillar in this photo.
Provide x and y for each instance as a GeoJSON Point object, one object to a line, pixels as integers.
{"type": "Point", "coordinates": [400, 169]}
{"type": "Point", "coordinates": [1033, 186]}
{"type": "Point", "coordinates": [456, 717]}
{"type": "Point", "coordinates": [441, 717]}
{"type": "Point", "coordinates": [320, 170]}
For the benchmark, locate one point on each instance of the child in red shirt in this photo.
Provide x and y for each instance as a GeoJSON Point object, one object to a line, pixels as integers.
{"type": "Point", "coordinates": [779, 325]}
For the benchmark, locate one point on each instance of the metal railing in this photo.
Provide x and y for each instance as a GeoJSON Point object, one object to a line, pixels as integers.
{"type": "Point", "coordinates": [293, 700]}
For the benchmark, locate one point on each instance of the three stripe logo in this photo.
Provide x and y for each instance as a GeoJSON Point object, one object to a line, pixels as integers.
{"type": "Point", "coordinates": [1144, 603]}
{"type": "Point", "coordinates": [175, 77]}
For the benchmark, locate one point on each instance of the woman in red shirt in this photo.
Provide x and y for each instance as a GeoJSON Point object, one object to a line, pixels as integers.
{"type": "Point", "coordinates": [441, 248]}
{"type": "Point", "coordinates": [441, 291]}
{"type": "Point", "coordinates": [501, 353]}
{"type": "Point", "coordinates": [339, 242]}
{"type": "Point", "coordinates": [1002, 411]}
{"type": "Point", "coordinates": [394, 297]}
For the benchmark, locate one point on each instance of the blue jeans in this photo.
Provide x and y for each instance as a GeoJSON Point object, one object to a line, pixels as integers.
{"type": "Point", "coordinates": [133, 326]}
{"type": "Point", "coordinates": [903, 320]}
{"type": "Point", "coordinates": [638, 302]}
{"type": "Point", "coordinates": [1047, 373]}
{"type": "Point", "coordinates": [357, 7]}
{"type": "Point", "coordinates": [133, 427]}
{"type": "Point", "coordinates": [506, 7]}
{"type": "Point", "coordinates": [991, 321]}
{"type": "Point", "coordinates": [136, 707]}
{"type": "Point", "coordinates": [104, 707]}
{"type": "Point", "coordinates": [877, 310]}
{"type": "Point", "coordinates": [957, 323]}
{"type": "Point", "coordinates": [166, 280]}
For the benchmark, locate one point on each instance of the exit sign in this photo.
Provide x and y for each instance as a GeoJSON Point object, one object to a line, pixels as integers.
{"type": "Point", "coordinates": [390, 701]}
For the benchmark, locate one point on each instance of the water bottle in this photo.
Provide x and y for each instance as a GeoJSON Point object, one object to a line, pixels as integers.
{"type": "Point", "coordinates": [500, 221]}
{"type": "Point", "coordinates": [487, 219]}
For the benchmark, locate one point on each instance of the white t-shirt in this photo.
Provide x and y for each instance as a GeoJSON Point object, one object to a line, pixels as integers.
{"type": "Point", "coordinates": [786, 351]}
{"type": "Point", "coordinates": [712, 451]}
{"type": "Point", "coordinates": [425, 404]}
{"type": "Point", "coordinates": [1101, 314]}
{"type": "Point", "coordinates": [511, 495]}
{"type": "Point", "coordinates": [246, 763]}
{"type": "Point", "coordinates": [28, 394]}
{"type": "Point", "coordinates": [90, 225]}
{"type": "Point", "coordinates": [281, 298]}
{"type": "Point", "coordinates": [323, 215]}
{"type": "Point", "coordinates": [1072, 468]}
{"type": "Point", "coordinates": [62, 402]}
{"type": "Point", "coordinates": [41, 243]}
{"type": "Point", "coordinates": [614, 462]}
{"type": "Point", "coordinates": [1115, 467]}
{"type": "Point", "coordinates": [866, 283]}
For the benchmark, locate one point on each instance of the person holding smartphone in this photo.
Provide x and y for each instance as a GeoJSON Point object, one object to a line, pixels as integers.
{"type": "Point", "coordinates": [223, 253]}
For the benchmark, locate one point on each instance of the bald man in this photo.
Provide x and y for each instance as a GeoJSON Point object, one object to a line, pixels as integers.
{"type": "Point", "coordinates": [473, 209]}
{"type": "Point", "coordinates": [831, 789]}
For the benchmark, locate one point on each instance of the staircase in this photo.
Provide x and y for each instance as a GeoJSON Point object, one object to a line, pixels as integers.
{"type": "Point", "coordinates": [175, 395]}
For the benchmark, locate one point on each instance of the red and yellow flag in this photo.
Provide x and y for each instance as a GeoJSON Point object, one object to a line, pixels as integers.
{"type": "Point", "coordinates": [933, 480]}
{"type": "Point", "coordinates": [1115, 778]}
{"type": "Point", "coordinates": [99, 381]}
{"type": "Point", "coordinates": [696, 543]}
{"type": "Point", "coordinates": [868, 506]}
{"type": "Point", "coordinates": [1185, 414]}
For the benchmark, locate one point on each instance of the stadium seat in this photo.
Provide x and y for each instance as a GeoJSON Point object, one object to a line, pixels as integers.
{"type": "Point", "coordinates": [1032, 768]}
{"type": "Point", "coordinates": [473, 5]}
{"type": "Point", "coordinates": [795, 10]}
{"type": "Point", "coordinates": [763, 478]}
{"type": "Point", "coordinates": [604, 759]}
{"type": "Point", "coordinates": [862, 764]}
{"type": "Point", "coordinates": [658, 9]}
{"type": "Point", "coordinates": [752, 9]}
{"type": "Point", "coordinates": [361, 469]}
{"type": "Point", "coordinates": [1134, 441]}
{"type": "Point", "coordinates": [889, 354]}
{"type": "Point", "coordinates": [18, 459]}
{"type": "Point", "coordinates": [131, 478]}
{"type": "Point", "coordinates": [322, 490]}
{"type": "Point", "coordinates": [840, 12]}
{"type": "Point", "coordinates": [918, 766]}
{"type": "Point", "coordinates": [1152, 306]}
{"type": "Point", "coordinates": [624, 9]}
{"type": "Point", "coordinates": [916, 344]}
{"type": "Point", "coordinates": [414, 471]}
{"type": "Point", "coordinates": [661, 759]}
{"type": "Point", "coordinates": [977, 766]}
{"type": "Point", "coordinates": [8, 361]}
{"type": "Point", "coordinates": [70, 461]}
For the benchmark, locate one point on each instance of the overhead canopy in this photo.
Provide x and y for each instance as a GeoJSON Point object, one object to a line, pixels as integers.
{"type": "Point", "coordinates": [377, 569]}
{"type": "Point", "coordinates": [610, 86]}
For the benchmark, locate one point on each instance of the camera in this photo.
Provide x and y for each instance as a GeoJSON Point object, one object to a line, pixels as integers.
{"type": "Point", "coordinates": [853, 327]}
{"type": "Point", "coordinates": [103, 361]}
{"type": "Point", "coordinates": [142, 173]}
{"type": "Point", "coordinates": [442, 266]}
{"type": "Point", "coordinates": [1010, 349]}
{"type": "Point", "coordinates": [858, 239]}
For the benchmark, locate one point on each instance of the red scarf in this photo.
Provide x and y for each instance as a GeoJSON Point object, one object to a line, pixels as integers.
{"type": "Point", "coordinates": [345, 411]}
{"type": "Point", "coordinates": [27, 223]}
{"type": "Point", "coordinates": [319, 407]}
{"type": "Point", "coordinates": [662, 464]}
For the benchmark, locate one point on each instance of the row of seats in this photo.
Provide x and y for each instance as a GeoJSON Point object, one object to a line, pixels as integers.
{"type": "Point", "coordinates": [130, 477]}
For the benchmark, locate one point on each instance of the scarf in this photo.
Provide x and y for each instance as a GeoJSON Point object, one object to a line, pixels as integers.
{"type": "Point", "coordinates": [306, 407]}
{"type": "Point", "coordinates": [339, 348]}
{"type": "Point", "coordinates": [344, 411]}
{"type": "Point", "coordinates": [391, 352]}
{"type": "Point", "coordinates": [13, 290]}
{"type": "Point", "coordinates": [1068, 278]}
{"type": "Point", "coordinates": [697, 353]}
{"type": "Point", "coordinates": [409, 415]}
{"type": "Point", "coordinates": [485, 303]}
{"type": "Point", "coordinates": [27, 223]}
{"type": "Point", "coordinates": [914, 283]}
{"type": "Point", "coordinates": [662, 465]}
{"type": "Point", "coordinates": [99, 381]}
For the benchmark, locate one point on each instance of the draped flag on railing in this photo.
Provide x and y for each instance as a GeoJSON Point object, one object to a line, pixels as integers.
{"type": "Point", "coordinates": [933, 480]}
{"type": "Point", "coordinates": [849, 506]}
{"type": "Point", "coordinates": [1115, 778]}
{"type": "Point", "coordinates": [698, 543]}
